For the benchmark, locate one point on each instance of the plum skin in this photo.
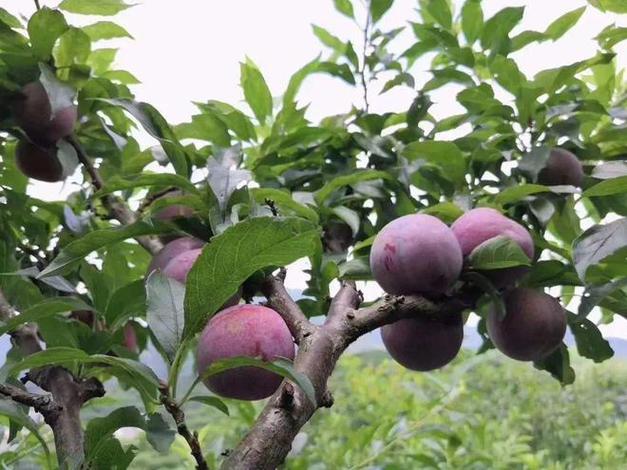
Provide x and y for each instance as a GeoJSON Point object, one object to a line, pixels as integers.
{"type": "Point", "coordinates": [172, 250]}
{"type": "Point", "coordinates": [423, 343]}
{"type": "Point", "coordinates": [562, 168]}
{"type": "Point", "coordinates": [34, 115]}
{"type": "Point", "coordinates": [244, 330]}
{"type": "Point", "coordinates": [534, 326]}
{"type": "Point", "coordinates": [415, 254]}
{"type": "Point", "coordinates": [39, 163]}
{"type": "Point", "coordinates": [480, 225]}
{"type": "Point", "coordinates": [179, 267]}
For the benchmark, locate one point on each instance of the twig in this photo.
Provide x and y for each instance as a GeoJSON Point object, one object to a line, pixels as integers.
{"type": "Point", "coordinates": [364, 57]}
{"type": "Point", "coordinates": [181, 426]}
{"type": "Point", "coordinates": [41, 403]}
{"type": "Point", "coordinates": [117, 208]}
{"type": "Point", "coordinates": [37, 5]}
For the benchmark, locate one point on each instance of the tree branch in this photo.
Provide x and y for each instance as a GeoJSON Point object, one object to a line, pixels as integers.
{"type": "Point", "coordinates": [41, 403]}
{"type": "Point", "coordinates": [280, 300]}
{"type": "Point", "coordinates": [181, 426]}
{"type": "Point", "coordinates": [268, 442]}
{"type": "Point", "coordinates": [117, 208]}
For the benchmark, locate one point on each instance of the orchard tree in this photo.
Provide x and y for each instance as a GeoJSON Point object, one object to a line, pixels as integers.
{"type": "Point", "coordinates": [482, 212]}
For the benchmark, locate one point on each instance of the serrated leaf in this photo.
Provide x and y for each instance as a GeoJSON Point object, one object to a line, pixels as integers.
{"type": "Point", "coordinates": [214, 402]}
{"type": "Point", "coordinates": [560, 26]}
{"type": "Point", "coordinates": [77, 250]}
{"type": "Point", "coordinates": [608, 187]}
{"type": "Point", "coordinates": [498, 253]}
{"type": "Point", "coordinates": [44, 27]}
{"type": "Point", "coordinates": [597, 243]}
{"type": "Point", "coordinates": [282, 367]}
{"type": "Point", "coordinates": [89, 7]}
{"type": "Point", "coordinates": [105, 30]}
{"type": "Point", "coordinates": [236, 254]}
{"type": "Point", "coordinates": [256, 91]}
{"type": "Point", "coordinates": [165, 317]}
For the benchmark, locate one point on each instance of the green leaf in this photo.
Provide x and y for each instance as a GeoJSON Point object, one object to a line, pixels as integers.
{"type": "Point", "coordinates": [44, 27]}
{"type": "Point", "coordinates": [608, 187]}
{"type": "Point", "coordinates": [346, 180]}
{"type": "Point", "coordinates": [349, 216]}
{"type": "Point", "coordinates": [616, 6]}
{"type": "Point", "coordinates": [283, 199]}
{"type": "Point", "coordinates": [440, 11]}
{"type": "Point", "coordinates": [16, 414]}
{"type": "Point", "coordinates": [328, 39]}
{"type": "Point", "coordinates": [560, 26]}
{"type": "Point", "coordinates": [518, 193]}
{"type": "Point", "coordinates": [146, 180]}
{"type": "Point", "coordinates": [498, 253]}
{"type": "Point", "coordinates": [378, 8]}
{"type": "Point", "coordinates": [444, 155]}
{"type": "Point", "coordinates": [214, 402]}
{"type": "Point", "coordinates": [282, 367]}
{"type": "Point", "coordinates": [9, 19]}
{"type": "Point", "coordinates": [46, 308]}
{"type": "Point", "coordinates": [507, 74]}
{"type": "Point", "coordinates": [156, 125]}
{"type": "Point", "coordinates": [238, 253]}
{"type": "Point", "coordinates": [165, 298]}
{"type": "Point", "coordinates": [525, 38]}
{"type": "Point", "coordinates": [590, 341]}
{"type": "Point", "coordinates": [205, 127]}
{"type": "Point", "coordinates": [256, 90]}
{"type": "Point", "coordinates": [105, 30]}
{"type": "Point", "coordinates": [496, 30]}
{"type": "Point", "coordinates": [73, 47]}
{"type": "Point", "coordinates": [594, 295]}
{"type": "Point", "coordinates": [597, 243]}
{"type": "Point", "coordinates": [77, 250]}
{"type": "Point", "coordinates": [558, 365]}
{"type": "Point", "coordinates": [345, 7]}
{"type": "Point", "coordinates": [342, 71]}
{"type": "Point", "coordinates": [611, 36]}
{"type": "Point", "coordinates": [472, 20]}
{"type": "Point", "coordinates": [89, 7]}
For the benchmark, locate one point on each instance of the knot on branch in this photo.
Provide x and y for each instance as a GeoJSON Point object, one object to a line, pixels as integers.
{"type": "Point", "coordinates": [91, 388]}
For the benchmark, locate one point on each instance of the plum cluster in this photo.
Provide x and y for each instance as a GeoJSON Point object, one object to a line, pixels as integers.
{"type": "Point", "coordinates": [419, 254]}
{"type": "Point", "coordinates": [36, 155]}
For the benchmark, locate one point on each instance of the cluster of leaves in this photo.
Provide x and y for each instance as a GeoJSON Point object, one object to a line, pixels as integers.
{"type": "Point", "coordinates": [334, 183]}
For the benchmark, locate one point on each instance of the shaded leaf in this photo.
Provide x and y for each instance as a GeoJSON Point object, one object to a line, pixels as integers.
{"type": "Point", "coordinates": [558, 365]}
{"type": "Point", "coordinates": [608, 187]}
{"type": "Point", "coordinates": [165, 298]}
{"type": "Point", "coordinates": [44, 27]}
{"type": "Point", "coordinates": [589, 340]}
{"type": "Point", "coordinates": [214, 402]}
{"type": "Point", "coordinates": [498, 253]}
{"type": "Point", "coordinates": [597, 243]}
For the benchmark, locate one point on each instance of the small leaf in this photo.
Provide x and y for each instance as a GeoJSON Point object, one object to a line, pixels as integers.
{"type": "Point", "coordinates": [328, 39]}
{"type": "Point", "coordinates": [77, 250]}
{"type": "Point", "coordinates": [215, 402]}
{"type": "Point", "coordinates": [472, 20]}
{"type": "Point", "coordinates": [444, 155]}
{"type": "Point", "coordinates": [89, 7]}
{"type": "Point", "coordinates": [496, 29]}
{"type": "Point", "coordinates": [44, 27]}
{"type": "Point", "coordinates": [378, 8]}
{"type": "Point", "coordinates": [165, 297]}
{"type": "Point", "coordinates": [560, 26]}
{"type": "Point", "coordinates": [558, 365]}
{"type": "Point", "coordinates": [440, 11]}
{"type": "Point", "coordinates": [282, 367]}
{"type": "Point", "coordinates": [498, 253]}
{"type": "Point", "coordinates": [236, 254]}
{"type": "Point", "coordinates": [256, 90]}
{"type": "Point", "coordinates": [611, 36]}
{"type": "Point", "coordinates": [105, 30]}
{"type": "Point", "coordinates": [597, 243]}
{"type": "Point", "coordinates": [345, 7]}
{"type": "Point", "coordinates": [608, 187]}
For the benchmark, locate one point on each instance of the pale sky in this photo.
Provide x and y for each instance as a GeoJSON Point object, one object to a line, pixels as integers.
{"type": "Point", "coordinates": [189, 50]}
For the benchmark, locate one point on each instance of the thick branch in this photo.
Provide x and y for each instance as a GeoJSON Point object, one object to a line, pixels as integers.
{"type": "Point", "coordinates": [282, 302]}
{"type": "Point", "coordinates": [117, 208]}
{"type": "Point", "coordinates": [181, 426]}
{"type": "Point", "coordinates": [41, 403]}
{"type": "Point", "coordinates": [269, 441]}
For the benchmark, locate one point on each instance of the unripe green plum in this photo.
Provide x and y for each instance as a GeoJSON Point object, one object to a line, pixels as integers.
{"type": "Point", "coordinates": [480, 225]}
{"type": "Point", "coordinates": [33, 114]}
{"type": "Point", "coordinates": [424, 343]}
{"type": "Point", "coordinates": [533, 327]}
{"type": "Point", "coordinates": [415, 254]}
{"type": "Point", "coordinates": [250, 331]}
{"type": "Point", "coordinates": [40, 163]}
{"type": "Point", "coordinates": [173, 249]}
{"type": "Point", "coordinates": [562, 168]}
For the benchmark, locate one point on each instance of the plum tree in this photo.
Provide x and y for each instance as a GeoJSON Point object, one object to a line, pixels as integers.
{"type": "Point", "coordinates": [424, 343]}
{"type": "Point", "coordinates": [40, 163]}
{"type": "Point", "coordinates": [480, 225]}
{"type": "Point", "coordinates": [33, 113]}
{"type": "Point", "coordinates": [562, 168]}
{"type": "Point", "coordinates": [172, 250]}
{"type": "Point", "coordinates": [244, 330]}
{"type": "Point", "coordinates": [415, 254]}
{"type": "Point", "coordinates": [533, 327]}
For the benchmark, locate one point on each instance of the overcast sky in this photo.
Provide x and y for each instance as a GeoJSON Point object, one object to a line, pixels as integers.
{"type": "Point", "coordinates": [189, 50]}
